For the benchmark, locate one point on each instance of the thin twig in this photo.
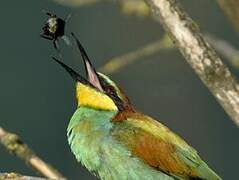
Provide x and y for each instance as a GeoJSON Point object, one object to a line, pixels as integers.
{"type": "Point", "coordinates": [15, 145]}
{"type": "Point", "coordinates": [199, 54]}
{"type": "Point", "coordinates": [15, 176]}
{"type": "Point", "coordinates": [115, 64]}
{"type": "Point", "coordinates": [223, 47]}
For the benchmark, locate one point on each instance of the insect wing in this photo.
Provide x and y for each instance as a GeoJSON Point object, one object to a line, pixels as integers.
{"type": "Point", "coordinates": [67, 40]}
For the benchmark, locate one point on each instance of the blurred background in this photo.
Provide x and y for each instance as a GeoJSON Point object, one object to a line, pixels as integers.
{"type": "Point", "coordinates": [37, 96]}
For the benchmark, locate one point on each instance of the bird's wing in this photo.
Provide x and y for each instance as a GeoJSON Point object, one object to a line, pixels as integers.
{"type": "Point", "coordinates": [159, 147]}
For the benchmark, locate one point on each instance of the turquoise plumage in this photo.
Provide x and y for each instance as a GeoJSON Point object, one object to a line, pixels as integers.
{"type": "Point", "coordinates": [90, 140]}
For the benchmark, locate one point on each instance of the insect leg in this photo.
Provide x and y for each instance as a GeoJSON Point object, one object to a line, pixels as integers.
{"type": "Point", "coordinates": [48, 13]}
{"type": "Point", "coordinates": [46, 37]}
{"type": "Point", "coordinates": [56, 46]}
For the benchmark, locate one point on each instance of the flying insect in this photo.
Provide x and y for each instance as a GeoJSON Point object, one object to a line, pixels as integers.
{"type": "Point", "coordinates": [54, 29]}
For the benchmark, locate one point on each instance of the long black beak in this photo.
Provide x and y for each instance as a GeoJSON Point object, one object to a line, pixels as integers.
{"type": "Point", "coordinates": [75, 76]}
{"type": "Point", "coordinates": [90, 70]}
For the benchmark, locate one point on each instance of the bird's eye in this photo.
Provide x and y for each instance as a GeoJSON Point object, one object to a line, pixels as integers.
{"type": "Point", "coordinates": [109, 90]}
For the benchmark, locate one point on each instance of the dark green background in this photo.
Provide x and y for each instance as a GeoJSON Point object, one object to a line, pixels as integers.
{"type": "Point", "coordinates": [37, 96]}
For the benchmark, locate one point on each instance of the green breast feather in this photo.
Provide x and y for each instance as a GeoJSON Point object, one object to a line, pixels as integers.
{"type": "Point", "coordinates": [88, 136]}
{"type": "Point", "coordinates": [100, 145]}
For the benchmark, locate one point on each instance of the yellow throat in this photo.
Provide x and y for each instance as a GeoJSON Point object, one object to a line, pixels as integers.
{"type": "Point", "coordinates": [88, 96]}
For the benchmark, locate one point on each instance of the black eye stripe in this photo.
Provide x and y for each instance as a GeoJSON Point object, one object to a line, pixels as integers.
{"type": "Point", "coordinates": [108, 88]}
{"type": "Point", "coordinates": [111, 92]}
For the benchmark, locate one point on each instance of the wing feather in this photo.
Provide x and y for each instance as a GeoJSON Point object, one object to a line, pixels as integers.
{"type": "Point", "coordinates": [157, 146]}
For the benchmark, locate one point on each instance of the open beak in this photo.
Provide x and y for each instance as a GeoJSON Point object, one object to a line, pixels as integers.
{"type": "Point", "coordinates": [90, 70]}
{"type": "Point", "coordinates": [92, 76]}
{"type": "Point", "coordinates": [75, 76]}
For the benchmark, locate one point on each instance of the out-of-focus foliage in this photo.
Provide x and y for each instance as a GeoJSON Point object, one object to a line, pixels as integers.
{"type": "Point", "coordinates": [135, 7]}
{"type": "Point", "coordinates": [129, 7]}
{"type": "Point", "coordinates": [76, 2]}
{"type": "Point", "coordinates": [230, 8]}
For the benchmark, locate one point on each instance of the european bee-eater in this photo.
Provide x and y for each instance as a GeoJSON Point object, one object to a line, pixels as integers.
{"type": "Point", "coordinates": [116, 142]}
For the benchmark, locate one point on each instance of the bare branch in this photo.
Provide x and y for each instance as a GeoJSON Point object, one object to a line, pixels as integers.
{"type": "Point", "coordinates": [15, 176]}
{"type": "Point", "coordinates": [225, 48]}
{"type": "Point", "coordinates": [132, 7]}
{"type": "Point", "coordinates": [14, 144]}
{"type": "Point", "coordinates": [115, 64]}
{"type": "Point", "coordinates": [199, 54]}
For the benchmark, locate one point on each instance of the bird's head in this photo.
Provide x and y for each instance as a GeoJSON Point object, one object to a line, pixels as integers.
{"type": "Point", "coordinates": [97, 91]}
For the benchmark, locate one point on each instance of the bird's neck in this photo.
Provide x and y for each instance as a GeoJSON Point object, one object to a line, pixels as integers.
{"type": "Point", "coordinates": [87, 132]}
{"type": "Point", "coordinates": [95, 117]}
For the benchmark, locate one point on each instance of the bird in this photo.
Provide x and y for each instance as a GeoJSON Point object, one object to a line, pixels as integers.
{"type": "Point", "coordinates": [114, 141]}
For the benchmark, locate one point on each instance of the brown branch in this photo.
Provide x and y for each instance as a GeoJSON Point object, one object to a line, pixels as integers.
{"type": "Point", "coordinates": [140, 8]}
{"type": "Point", "coordinates": [230, 8]}
{"type": "Point", "coordinates": [15, 176]}
{"type": "Point", "coordinates": [225, 48]}
{"type": "Point", "coordinates": [115, 64]}
{"type": "Point", "coordinates": [14, 144]}
{"type": "Point", "coordinates": [199, 54]}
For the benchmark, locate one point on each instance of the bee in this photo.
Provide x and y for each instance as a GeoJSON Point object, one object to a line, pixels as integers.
{"type": "Point", "coordinates": [54, 29]}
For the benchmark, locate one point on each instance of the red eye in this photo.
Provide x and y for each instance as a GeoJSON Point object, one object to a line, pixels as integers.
{"type": "Point", "coordinates": [110, 89]}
